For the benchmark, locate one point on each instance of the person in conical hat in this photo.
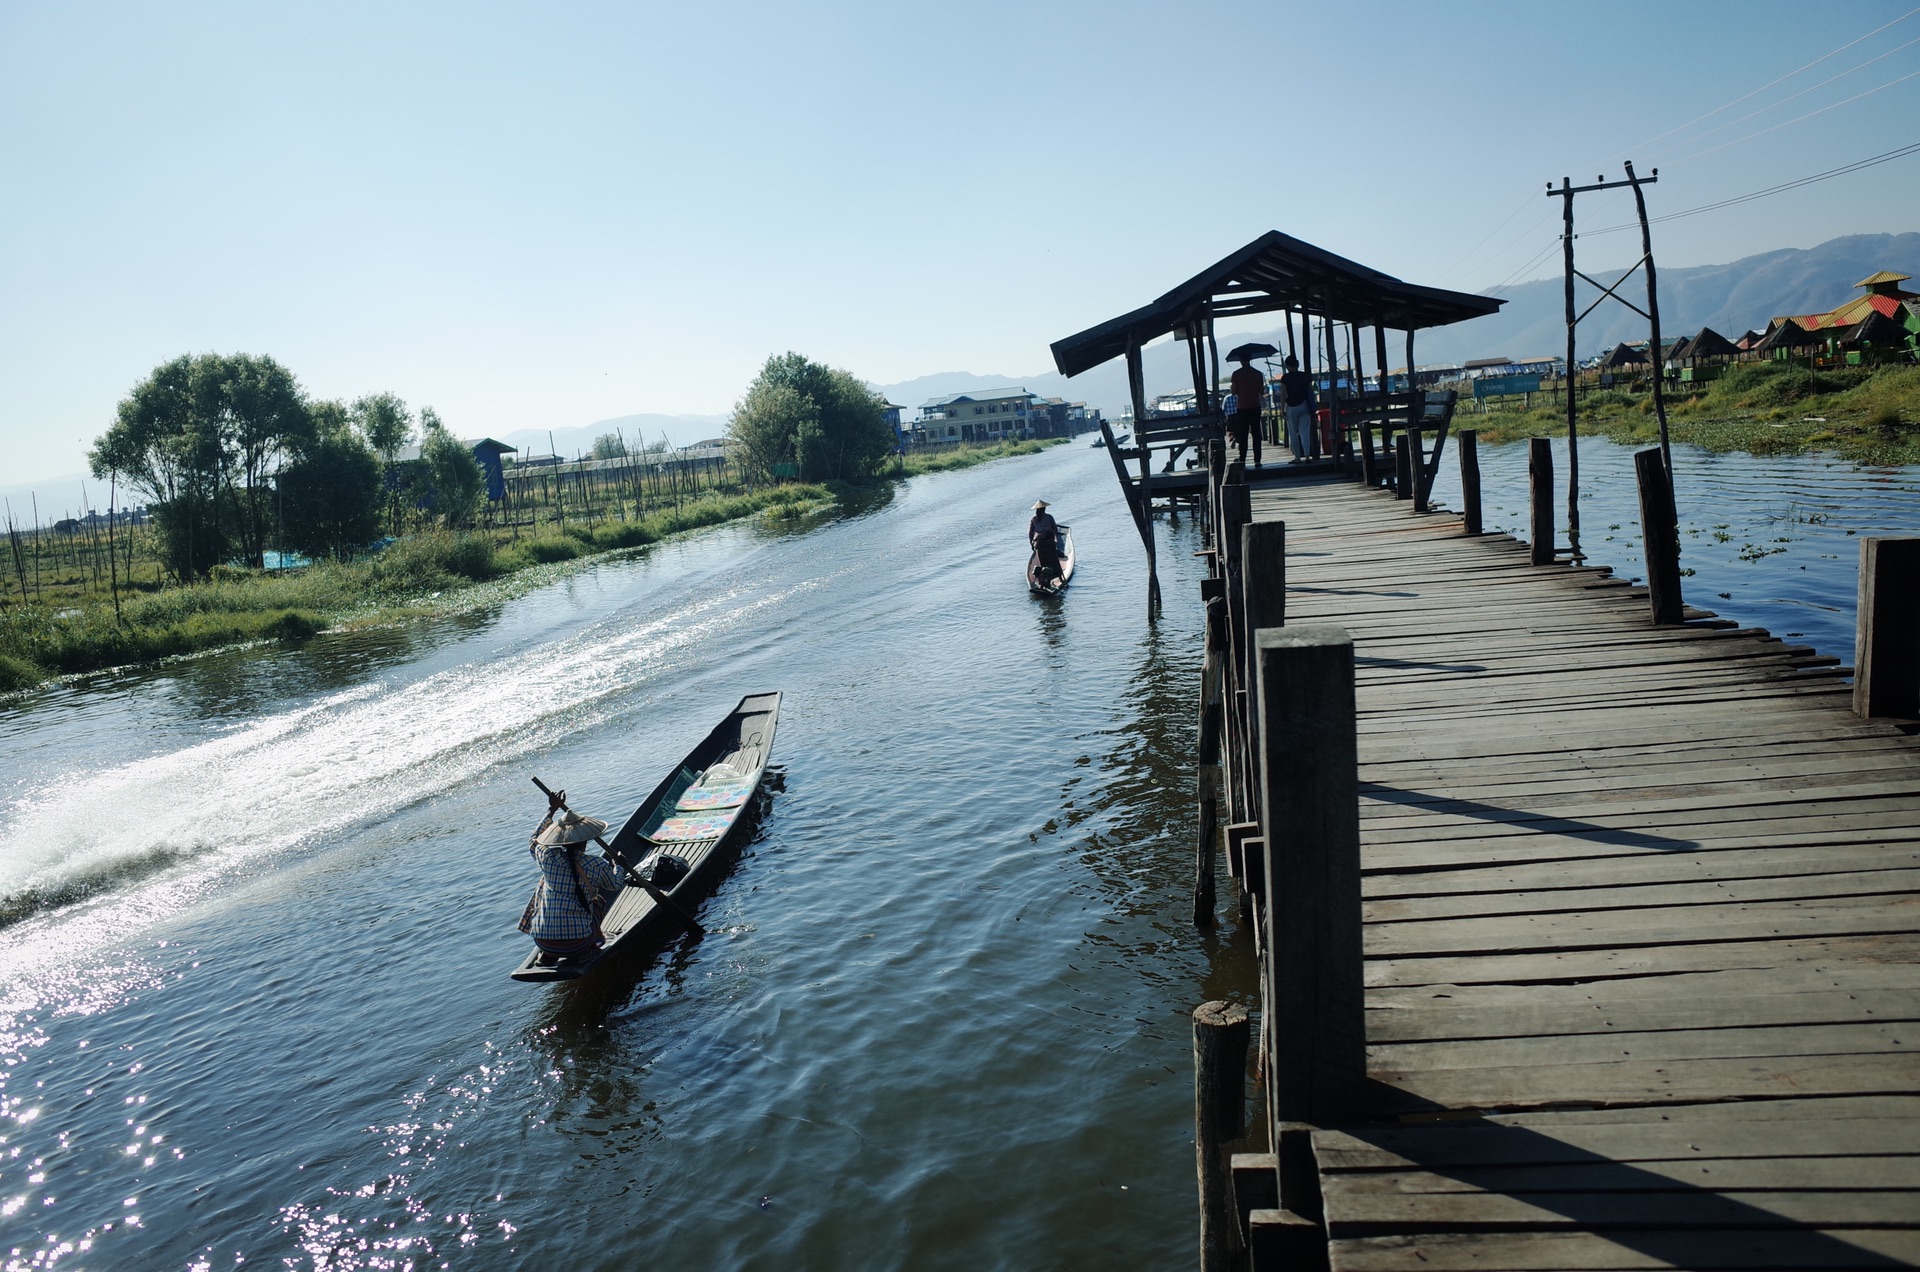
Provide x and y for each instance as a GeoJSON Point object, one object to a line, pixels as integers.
{"type": "Point", "coordinates": [1043, 534]}
{"type": "Point", "coordinates": [575, 888]}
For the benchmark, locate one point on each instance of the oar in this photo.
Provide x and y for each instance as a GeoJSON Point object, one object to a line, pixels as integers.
{"type": "Point", "coordinates": [558, 799]}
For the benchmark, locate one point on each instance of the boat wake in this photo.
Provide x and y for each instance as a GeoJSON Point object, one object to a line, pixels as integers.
{"type": "Point", "coordinates": [135, 844]}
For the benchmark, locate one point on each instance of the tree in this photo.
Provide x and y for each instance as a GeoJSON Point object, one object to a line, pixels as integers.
{"type": "Point", "coordinates": [820, 419]}
{"type": "Point", "coordinates": [262, 416]}
{"type": "Point", "coordinates": [165, 442]}
{"type": "Point", "coordinates": [609, 446]}
{"type": "Point", "coordinates": [330, 493]}
{"type": "Point", "coordinates": [383, 419]}
{"type": "Point", "coordinates": [454, 477]}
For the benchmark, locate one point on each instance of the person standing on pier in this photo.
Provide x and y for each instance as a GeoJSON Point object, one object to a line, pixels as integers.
{"type": "Point", "coordinates": [1249, 390]}
{"type": "Point", "coordinates": [1297, 398]}
{"type": "Point", "coordinates": [1043, 534]}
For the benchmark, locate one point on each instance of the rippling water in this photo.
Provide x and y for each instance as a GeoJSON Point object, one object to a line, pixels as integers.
{"type": "Point", "coordinates": [258, 1011]}
{"type": "Point", "coordinates": [1770, 542]}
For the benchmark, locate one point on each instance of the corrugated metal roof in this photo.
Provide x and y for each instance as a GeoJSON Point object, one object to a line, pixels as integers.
{"type": "Point", "coordinates": [1275, 271]}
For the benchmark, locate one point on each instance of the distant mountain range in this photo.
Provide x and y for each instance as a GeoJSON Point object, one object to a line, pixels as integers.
{"type": "Point", "coordinates": [1729, 298]}
{"type": "Point", "coordinates": [681, 430]}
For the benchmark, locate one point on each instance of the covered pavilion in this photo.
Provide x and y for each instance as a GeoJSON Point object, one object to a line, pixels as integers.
{"type": "Point", "coordinates": [1275, 273]}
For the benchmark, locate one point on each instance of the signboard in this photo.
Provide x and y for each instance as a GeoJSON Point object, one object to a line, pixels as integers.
{"type": "Point", "coordinates": [1506, 385]}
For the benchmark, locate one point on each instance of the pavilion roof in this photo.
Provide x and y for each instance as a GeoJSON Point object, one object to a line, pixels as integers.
{"type": "Point", "coordinates": [1275, 271]}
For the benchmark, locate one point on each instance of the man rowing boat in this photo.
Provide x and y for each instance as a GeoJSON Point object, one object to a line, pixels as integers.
{"type": "Point", "coordinates": [1043, 533]}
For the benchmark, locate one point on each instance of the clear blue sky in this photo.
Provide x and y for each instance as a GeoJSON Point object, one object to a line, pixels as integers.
{"type": "Point", "coordinates": [541, 216]}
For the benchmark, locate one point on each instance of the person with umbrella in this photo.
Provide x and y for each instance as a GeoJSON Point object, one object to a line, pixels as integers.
{"type": "Point", "coordinates": [1249, 389]}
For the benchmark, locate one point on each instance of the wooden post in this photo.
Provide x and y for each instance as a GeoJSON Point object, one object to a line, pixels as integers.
{"type": "Point", "coordinates": [1220, 1033]}
{"type": "Point", "coordinates": [1263, 584]}
{"type": "Point", "coordinates": [1886, 657]}
{"type": "Point", "coordinates": [1309, 776]}
{"type": "Point", "coordinates": [1236, 510]}
{"type": "Point", "coordinates": [1403, 465]}
{"type": "Point", "coordinates": [1540, 494]}
{"type": "Point", "coordinates": [1660, 535]}
{"type": "Point", "coordinates": [1470, 480]}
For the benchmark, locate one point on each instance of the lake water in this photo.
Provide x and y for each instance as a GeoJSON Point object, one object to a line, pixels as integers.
{"type": "Point", "coordinates": [1769, 542]}
{"type": "Point", "coordinates": [940, 1018]}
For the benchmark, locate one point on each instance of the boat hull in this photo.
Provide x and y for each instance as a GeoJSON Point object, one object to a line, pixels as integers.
{"type": "Point", "coordinates": [692, 815]}
{"type": "Point", "coordinates": [1040, 585]}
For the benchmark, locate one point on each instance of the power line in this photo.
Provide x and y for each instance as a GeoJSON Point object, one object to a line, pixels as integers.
{"type": "Point", "coordinates": [1887, 157]}
{"type": "Point", "coordinates": [1809, 115]}
{"type": "Point", "coordinates": [1802, 93]}
{"type": "Point", "coordinates": [1764, 87]}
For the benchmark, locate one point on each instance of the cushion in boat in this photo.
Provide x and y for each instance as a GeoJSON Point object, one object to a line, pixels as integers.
{"type": "Point", "coordinates": [719, 795]}
{"type": "Point", "coordinates": [683, 829]}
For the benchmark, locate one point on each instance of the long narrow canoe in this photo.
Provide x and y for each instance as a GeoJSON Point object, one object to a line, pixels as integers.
{"type": "Point", "coordinates": [1052, 586]}
{"type": "Point", "coordinates": [697, 814]}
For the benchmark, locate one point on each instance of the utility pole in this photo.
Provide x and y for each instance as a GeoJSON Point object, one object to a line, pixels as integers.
{"type": "Point", "coordinates": [1651, 313]}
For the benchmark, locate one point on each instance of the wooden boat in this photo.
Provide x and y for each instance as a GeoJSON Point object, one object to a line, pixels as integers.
{"type": "Point", "coordinates": [1052, 587]}
{"type": "Point", "coordinates": [701, 811]}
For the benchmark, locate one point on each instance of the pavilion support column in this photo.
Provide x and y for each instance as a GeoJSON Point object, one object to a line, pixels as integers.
{"type": "Point", "coordinates": [1137, 388]}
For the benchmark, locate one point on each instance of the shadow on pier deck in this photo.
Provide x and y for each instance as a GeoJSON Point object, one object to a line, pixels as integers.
{"type": "Point", "coordinates": [1587, 943]}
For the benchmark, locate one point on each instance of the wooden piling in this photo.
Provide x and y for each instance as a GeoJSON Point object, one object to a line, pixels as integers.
{"type": "Point", "coordinates": [1470, 480]}
{"type": "Point", "coordinates": [1309, 777]}
{"type": "Point", "coordinates": [1403, 466]}
{"type": "Point", "coordinates": [1660, 536]}
{"type": "Point", "coordinates": [1220, 1033]}
{"type": "Point", "coordinates": [1886, 652]}
{"type": "Point", "coordinates": [1540, 497]}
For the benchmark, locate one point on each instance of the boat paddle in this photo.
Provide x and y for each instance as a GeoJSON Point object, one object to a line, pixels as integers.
{"type": "Point", "coordinates": [558, 799]}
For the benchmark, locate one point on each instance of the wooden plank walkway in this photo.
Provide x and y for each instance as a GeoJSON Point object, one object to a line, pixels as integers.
{"type": "Point", "coordinates": [1641, 923]}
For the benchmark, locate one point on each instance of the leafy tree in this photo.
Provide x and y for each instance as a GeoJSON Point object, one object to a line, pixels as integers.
{"type": "Point", "coordinates": [609, 446]}
{"type": "Point", "coordinates": [330, 493]}
{"type": "Point", "coordinates": [166, 443]}
{"type": "Point", "coordinates": [454, 477]}
{"type": "Point", "coordinates": [383, 419]}
{"type": "Point", "coordinates": [262, 416]}
{"type": "Point", "coordinates": [821, 419]}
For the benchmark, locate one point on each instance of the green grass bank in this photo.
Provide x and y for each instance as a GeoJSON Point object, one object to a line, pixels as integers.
{"type": "Point", "coordinates": [421, 575]}
{"type": "Point", "coordinates": [1867, 416]}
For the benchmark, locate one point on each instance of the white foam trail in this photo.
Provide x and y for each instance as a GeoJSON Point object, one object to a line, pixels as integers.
{"type": "Point", "coordinates": [290, 777]}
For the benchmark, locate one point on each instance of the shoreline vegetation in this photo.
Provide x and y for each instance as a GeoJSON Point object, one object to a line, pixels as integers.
{"type": "Point", "coordinates": [426, 574]}
{"type": "Point", "coordinates": [1862, 416]}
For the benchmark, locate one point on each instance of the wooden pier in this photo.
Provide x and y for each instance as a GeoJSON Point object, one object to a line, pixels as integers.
{"type": "Point", "coordinates": [1587, 943]}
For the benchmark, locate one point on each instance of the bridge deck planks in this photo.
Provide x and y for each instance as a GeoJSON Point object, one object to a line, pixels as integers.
{"type": "Point", "coordinates": [1643, 931]}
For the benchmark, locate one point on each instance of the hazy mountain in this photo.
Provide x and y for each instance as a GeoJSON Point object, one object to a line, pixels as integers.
{"type": "Point", "coordinates": [1729, 298]}
{"type": "Point", "coordinates": [681, 430]}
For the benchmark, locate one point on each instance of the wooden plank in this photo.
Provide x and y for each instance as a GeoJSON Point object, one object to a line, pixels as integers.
{"type": "Point", "coordinates": [1347, 1188]}
{"type": "Point", "coordinates": [1646, 1082]}
{"type": "Point", "coordinates": [1371, 1213]}
{"type": "Point", "coordinates": [1575, 900]}
{"type": "Point", "coordinates": [1624, 1249]}
{"type": "Point", "coordinates": [1761, 862]}
{"type": "Point", "coordinates": [1454, 1017]}
{"type": "Point", "coordinates": [1720, 1041]}
{"type": "Point", "coordinates": [1669, 960]}
{"type": "Point", "coordinates": [1683, 1135]}
{"type": "Point", "coordinates": [1621, 929]}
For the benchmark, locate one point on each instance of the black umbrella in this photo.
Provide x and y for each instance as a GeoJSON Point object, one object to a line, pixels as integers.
{"type": "Point", "coordinates": [1248, 352]}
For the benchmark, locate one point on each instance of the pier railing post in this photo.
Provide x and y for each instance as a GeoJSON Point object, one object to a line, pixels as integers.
{"type": "Point", "coordinates": [1540, 497]}
{"type": "Point", "coordinates": [1886, 650]}
{"type": "Point", "coordinates": [1403, 474]}
{"type": "Point", "coordinates": [1310, 824]}
{"type": "Point", "coordinates": [1660, 535]}
{"type": "Point", "coordinates": [1236, 510]}
{"type": "Point", "coordinates": [1470, 480]}
{"type": "Point", "coordinates": [1263, 582]}
{"type": "Point", "coordinates": [1220, 1033]}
